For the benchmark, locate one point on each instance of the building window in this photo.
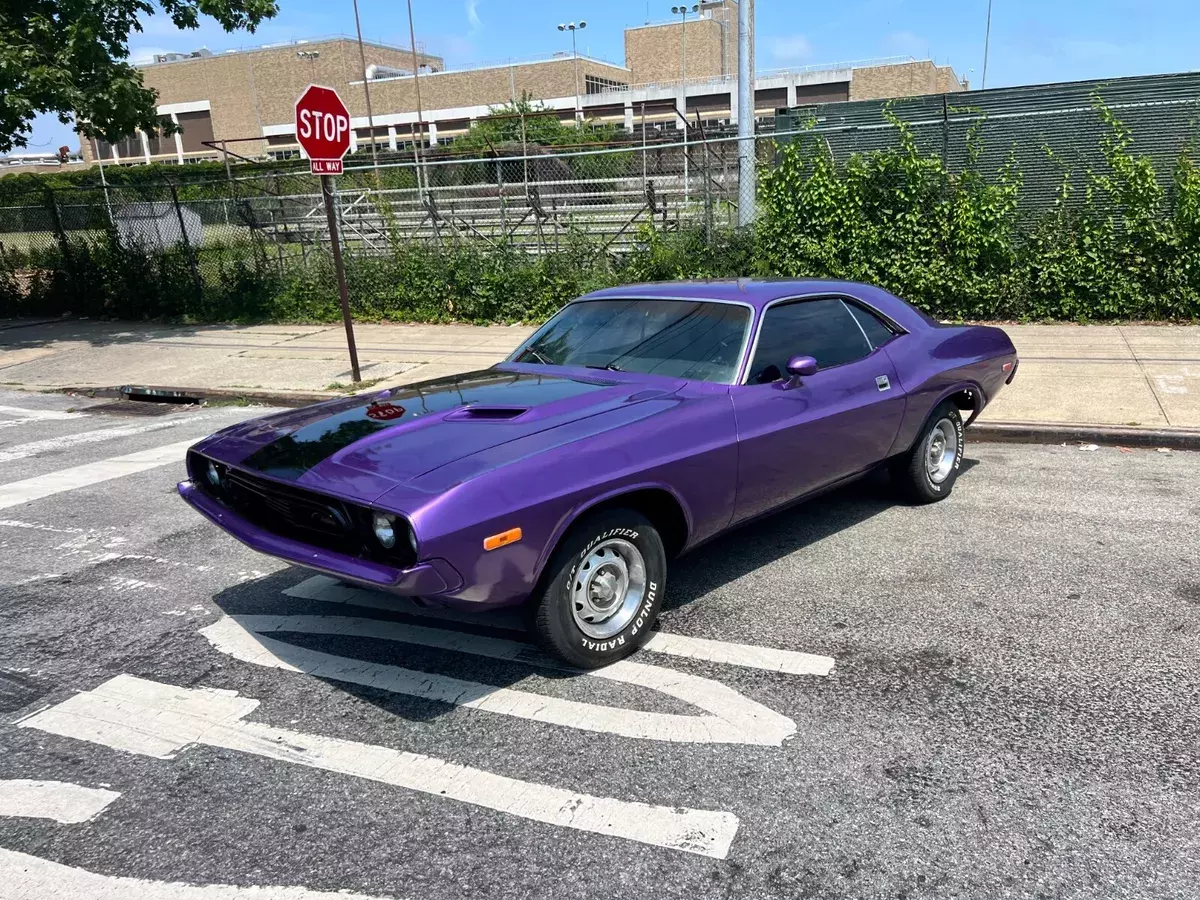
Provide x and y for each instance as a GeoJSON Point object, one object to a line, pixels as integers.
{"type": "Point", "coordinates": [197, 128]}
{"type": "Point", "coordinates": [131, 148]}
{"type": "Point", "coordinates": [161, 145]}
{"type": "Point", "coordinates": [593, 84]}
{"type": "Point", "coordinates": [281, 155]}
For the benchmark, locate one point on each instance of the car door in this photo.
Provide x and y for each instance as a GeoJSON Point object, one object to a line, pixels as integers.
{"type": "Point", "coordinates": [796, 435]}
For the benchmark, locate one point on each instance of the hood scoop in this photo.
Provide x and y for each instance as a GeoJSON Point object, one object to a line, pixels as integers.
{"type": "Point", "coordinates": [482, 413]}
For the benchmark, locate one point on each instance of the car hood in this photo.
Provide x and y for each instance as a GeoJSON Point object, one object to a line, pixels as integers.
{"type": "Point", "coordinates": [363, 446]}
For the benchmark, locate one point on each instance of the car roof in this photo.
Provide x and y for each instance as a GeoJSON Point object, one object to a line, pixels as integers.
{"type": "Point", "coordinates": [759, 292]}
{"type": "Point", "coordinates": [754, 292]}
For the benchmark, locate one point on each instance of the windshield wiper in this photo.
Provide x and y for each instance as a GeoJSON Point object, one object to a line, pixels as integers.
{"type": "Point", "coordinates": [539, 357]}
{"type": "Point", "coordinates": [609, 367]}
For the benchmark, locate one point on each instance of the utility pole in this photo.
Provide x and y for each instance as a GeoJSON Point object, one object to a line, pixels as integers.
{"type": "Point", "coordinates": [362, 58]}
{"type": "Point", "coordinates": [746, 173]}
{"type": "Point", "coordinates": [683, 11]}
{"type": "Point", "coordinates": [572, 27]}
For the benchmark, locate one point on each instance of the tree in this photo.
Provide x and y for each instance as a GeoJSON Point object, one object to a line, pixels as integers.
{"type": "Point", "coordinates": [71, 57]}
{"type": "Point", "coordinates": [503, 123]}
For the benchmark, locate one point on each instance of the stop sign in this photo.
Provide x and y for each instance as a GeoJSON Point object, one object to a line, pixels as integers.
{"type": "Point", "coordinates": [323, 129]}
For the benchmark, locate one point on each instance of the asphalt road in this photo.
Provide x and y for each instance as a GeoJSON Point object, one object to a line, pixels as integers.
{"type": "Point", "coordinates": [1013, 710]}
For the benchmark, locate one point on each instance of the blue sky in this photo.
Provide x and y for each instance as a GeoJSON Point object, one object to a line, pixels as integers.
{"type": "Point", "coordinates": [1033, 41]}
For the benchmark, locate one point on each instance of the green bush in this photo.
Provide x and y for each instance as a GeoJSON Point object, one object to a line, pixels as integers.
{"type": "Point", "coordinates": [956, 245]}
{"type": "Point", "coordinates": [1115, 244]}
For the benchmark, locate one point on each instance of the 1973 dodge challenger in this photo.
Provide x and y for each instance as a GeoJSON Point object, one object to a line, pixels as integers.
{"type": "Point", "coordinates": [636, 424]}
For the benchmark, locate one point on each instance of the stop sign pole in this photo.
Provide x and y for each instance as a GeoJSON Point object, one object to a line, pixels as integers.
{"type": "Point", "coordinates": [323, 130]}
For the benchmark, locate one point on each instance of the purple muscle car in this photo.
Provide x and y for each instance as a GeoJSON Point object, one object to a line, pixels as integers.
{"type": "Point", "coordinates": [636, 424]}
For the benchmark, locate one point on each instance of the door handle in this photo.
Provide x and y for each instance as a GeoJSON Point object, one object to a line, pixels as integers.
{"type": "Point", "coordinates": [881, 382]}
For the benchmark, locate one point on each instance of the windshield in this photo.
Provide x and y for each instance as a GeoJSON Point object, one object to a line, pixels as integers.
{"type": "Point", "coordinates": [691, 339]}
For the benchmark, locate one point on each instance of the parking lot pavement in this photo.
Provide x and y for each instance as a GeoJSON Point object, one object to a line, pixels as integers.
{"type": "Point", "coordinates": [992, 696]}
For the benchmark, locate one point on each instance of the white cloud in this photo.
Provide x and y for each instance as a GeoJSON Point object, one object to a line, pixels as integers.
{"type": "Point", "coordinates": [473, 16]}
{"type": "Point", "coordinates": [794, 48]}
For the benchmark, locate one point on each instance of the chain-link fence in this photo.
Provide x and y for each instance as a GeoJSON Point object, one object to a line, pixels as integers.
{"type": "Point", "coordinates": [1048, 132]}
{"type": "Point", "coordinates": [232, 246]}
{"type": "Point", "coordinates": [535, 200]}
{"type": "Point", "coordinates": [177, 244]}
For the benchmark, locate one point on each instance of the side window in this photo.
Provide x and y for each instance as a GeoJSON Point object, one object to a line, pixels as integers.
{"type": "Point", "coordinates": [877, 332]}
{"type": "Point", "coordinates": [823, 329]}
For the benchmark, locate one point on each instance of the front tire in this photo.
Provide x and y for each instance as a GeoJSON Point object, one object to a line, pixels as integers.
{"type": "Point", "coordinates": [602, 591]}
{"type": "Point", "coordinates": [928, 471]}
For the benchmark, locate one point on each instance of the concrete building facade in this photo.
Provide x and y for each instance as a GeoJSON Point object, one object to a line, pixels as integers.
{"type": "Point", "coordinates": [246, 98]}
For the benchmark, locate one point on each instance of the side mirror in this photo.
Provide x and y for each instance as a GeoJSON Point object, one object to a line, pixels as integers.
{"type": "Point", "coordinates": [801, 366]}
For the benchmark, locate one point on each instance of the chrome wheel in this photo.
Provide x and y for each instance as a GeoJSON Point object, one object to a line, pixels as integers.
{"type": "Point", "coordinates": [608, 589]}
{"type": "Point", "coordinates": [941, 450]}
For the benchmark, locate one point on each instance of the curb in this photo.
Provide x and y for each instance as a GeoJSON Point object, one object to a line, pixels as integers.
{"type": "Point", "coordinates": [154, 393]}
{"type": "Point", "coordinates": [1113, 435]}
{"type": "Point", "coordinates": [9, 325]}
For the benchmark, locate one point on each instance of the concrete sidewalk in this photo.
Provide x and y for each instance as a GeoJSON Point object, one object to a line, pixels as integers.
{"type": "Point", "coordinates": [1123, 375]}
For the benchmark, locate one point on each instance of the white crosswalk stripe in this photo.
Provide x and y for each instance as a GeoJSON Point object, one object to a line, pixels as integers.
{"type": "Point", "coordinates": [62, 442]}
{"type": "Point", "coordinates": [20, 412]}
{"type": "Point", "coordinates": [159, 720]}
{"type": "Point", "coordinates": [25, 877]}
{"type": "Point", "coordinates": [47, 485]}
{"type": "Point", "coordinates": [729, 717]}
{"type": "Point", "coordinates": [789, 662]}
{"type": "Point", "coordinates": [61, 801]}
{"type": "Point", "coordinates": [18, 416]}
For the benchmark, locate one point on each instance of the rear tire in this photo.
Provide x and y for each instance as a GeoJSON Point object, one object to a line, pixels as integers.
{"type": "Point", "coordinates": [927, 472]}
{"type": "Point", "coordinates": [602, 591]}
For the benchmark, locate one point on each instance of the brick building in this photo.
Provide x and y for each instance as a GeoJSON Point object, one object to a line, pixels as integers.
{"type": "Point", "coordinates": [655, 52]}
{"type": "Point", "coordinates": [247, 97]}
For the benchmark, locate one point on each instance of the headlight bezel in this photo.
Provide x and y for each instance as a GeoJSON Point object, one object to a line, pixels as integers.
{"type": "Point", "coordinates": [359, 518]}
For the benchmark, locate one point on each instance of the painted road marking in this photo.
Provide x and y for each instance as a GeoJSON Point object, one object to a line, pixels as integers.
{"type": "Point", "coordinates": [20, 412]}
{"type": "Point", "coordinates": [24, 877]}
{"type": "Point", "coordinates": [34, 448]}
{"type": "Point", "coordinates": [66, 803]}
{"type": "Point", "coordinates": [748, 656]}
{"type": "Point", "coordinates": [153, 719]}
{"type": "Point", "coordinates": [789, 662]}
{"type": "Point", "coordinates": [731, 717]}
{"type": "Point", "coordinates": [36, 488]}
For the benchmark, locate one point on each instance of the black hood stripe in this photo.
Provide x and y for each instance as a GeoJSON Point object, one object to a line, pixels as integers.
{"type": "Point", "coordinates": [291, 456]}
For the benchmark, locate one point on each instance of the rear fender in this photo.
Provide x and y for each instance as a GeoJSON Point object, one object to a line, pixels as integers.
{"type": "Point", "coordinates": [922, 403]}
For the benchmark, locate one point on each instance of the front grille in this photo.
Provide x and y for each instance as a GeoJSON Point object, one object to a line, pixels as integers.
{"type": "Point", "coordinates": [299, 514]}
{"type": "Point", "coordinates": [308, 517]}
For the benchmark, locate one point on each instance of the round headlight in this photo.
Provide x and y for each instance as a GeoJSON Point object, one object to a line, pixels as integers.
{"type": "Point", "coordinates": [214, 476]}
{"type": "Point", "coordinates": [385, 531]}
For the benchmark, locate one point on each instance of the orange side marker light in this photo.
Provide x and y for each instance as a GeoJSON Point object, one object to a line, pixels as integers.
{"type": "Point", "coordinates": [503, 539]}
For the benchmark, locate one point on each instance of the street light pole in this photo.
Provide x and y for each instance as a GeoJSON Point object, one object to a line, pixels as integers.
{"type": "Point", "coordinates": [418, 131]}
{"type": "Point", "coordinates": [572, 27]}
{"type": "Point", "coordinates": [362, 59]}
{"type": "Point", "coordinates": [987, 41]}
{"type": "Point", "coordinates": [683, 11]}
